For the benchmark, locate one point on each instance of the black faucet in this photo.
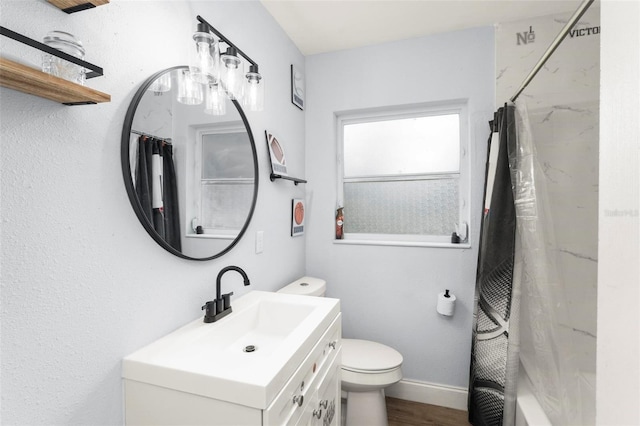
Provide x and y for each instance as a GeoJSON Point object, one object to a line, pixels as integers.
{"type": "Point", "coordinates": [221, 306]}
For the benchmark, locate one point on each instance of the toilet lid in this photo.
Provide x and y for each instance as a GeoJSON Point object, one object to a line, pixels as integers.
{"type": "Point", "coordinates": [364, 355]}
{"type": "Point", "coordinates": [306, 286]}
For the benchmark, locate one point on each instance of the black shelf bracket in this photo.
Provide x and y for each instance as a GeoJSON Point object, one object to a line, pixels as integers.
{"type": "Point", "coordinates": [78, 8]}
{"type": "Point", "coordinates": [95, 71]}
{"type": "Point", "coordinates": [296, 181]}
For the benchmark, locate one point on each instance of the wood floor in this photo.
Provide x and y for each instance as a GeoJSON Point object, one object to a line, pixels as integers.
{"type": "Point", "coordinates": [408, 413]}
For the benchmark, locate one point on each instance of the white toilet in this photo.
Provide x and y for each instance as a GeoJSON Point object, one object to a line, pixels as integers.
{"type": "Point", "coordinates": [367, 367]}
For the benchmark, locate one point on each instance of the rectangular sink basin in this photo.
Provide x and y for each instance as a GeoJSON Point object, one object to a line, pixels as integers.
{"type": "Point", "coordinates": [245, 357]}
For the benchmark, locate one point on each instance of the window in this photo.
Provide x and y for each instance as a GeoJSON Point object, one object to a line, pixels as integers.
{"type": "Point", "coordinates": [403, 176]}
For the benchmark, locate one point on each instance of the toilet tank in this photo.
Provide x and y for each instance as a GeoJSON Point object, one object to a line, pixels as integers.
{"type": "Point", "coordinates": [306, 286]}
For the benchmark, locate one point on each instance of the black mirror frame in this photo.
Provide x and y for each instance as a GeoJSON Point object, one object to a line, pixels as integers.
{"type": "Point", "coordinates": [128, 182]}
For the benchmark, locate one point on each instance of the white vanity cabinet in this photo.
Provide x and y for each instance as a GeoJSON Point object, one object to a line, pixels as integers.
{"type": "Point", "coordinates": [292, 378]}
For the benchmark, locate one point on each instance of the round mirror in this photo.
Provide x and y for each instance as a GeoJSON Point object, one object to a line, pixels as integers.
{"type": "Point", "coordinates": [189, 165]}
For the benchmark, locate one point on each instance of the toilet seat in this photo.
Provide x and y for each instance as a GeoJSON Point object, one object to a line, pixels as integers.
{"type": "Point", "coordinates": [355, 370]}
{"type": "Point", "coordinates": [366, 357]}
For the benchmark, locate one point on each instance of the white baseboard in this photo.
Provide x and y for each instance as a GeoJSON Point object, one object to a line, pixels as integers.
{"type": "Point", "coordinates": [429, 393]}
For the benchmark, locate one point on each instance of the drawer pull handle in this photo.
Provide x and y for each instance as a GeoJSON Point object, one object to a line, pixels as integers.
{"type": "Point", "coordinates": [317, 414]}
{"type": "Point", "coordinates": [332, 345]}
{"type": "Point", "coordinates": [324, 404]}
{"type": "Point", "coordinates": [298, 399]}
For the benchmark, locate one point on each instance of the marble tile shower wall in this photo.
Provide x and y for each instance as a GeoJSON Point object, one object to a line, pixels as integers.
{"type": "Point", "coordinates": [563, 106]}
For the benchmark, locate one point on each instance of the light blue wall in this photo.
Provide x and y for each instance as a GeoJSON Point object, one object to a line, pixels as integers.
{"type": "Point", "coordinates": [83, 285]}
{"type": "Point", "coordinates": [389, 294]}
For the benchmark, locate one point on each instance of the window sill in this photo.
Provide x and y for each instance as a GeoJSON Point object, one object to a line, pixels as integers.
{"type": "Point", "coordinates": [212, 236]}
{"type": "Point", "coordinates": [403, 243]}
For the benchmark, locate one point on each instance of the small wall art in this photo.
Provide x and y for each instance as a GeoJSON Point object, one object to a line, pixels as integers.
{"type": "Point", "coordinates": [276, 153]}
{"type": "Point", "coordinates": [297, 217]}
{"type": "Point", "coordinates": [297, 87]}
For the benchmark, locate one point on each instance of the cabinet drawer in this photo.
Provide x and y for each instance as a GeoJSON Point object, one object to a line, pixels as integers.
{"type": "Point", "coordinates": [324, 407]}
{"type": "Point", "coordinates": [329, 397]}
{"type": "Point", "coordinates": [296, 394]}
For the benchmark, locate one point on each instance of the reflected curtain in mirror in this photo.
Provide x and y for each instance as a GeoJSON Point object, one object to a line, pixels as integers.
{"type": "Point", "coordinates": [156, 187]}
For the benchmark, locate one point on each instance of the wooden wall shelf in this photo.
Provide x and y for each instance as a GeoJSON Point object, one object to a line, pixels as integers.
{"type": "Point", "coordinates": [35, 82]}
{"type": "Point", "coordinates": [71, 6]}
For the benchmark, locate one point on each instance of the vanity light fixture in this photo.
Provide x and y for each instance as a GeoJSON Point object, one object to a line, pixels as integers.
{"type": "Point", "coordinates": [223, 73]}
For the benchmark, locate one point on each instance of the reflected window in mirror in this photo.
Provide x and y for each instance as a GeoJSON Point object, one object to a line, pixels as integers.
{"type": "Point", "coordinates": [224, 181]}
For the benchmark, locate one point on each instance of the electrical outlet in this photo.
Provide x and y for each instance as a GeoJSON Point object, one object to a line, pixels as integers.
{"type": "Point", "coordinates": [259, 241]}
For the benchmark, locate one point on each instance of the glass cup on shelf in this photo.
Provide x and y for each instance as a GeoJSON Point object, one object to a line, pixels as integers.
{"type": "Point", "coordinates": [58, 67]}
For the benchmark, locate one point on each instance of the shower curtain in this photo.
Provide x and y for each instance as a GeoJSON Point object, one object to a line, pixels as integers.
{"type": "Point", "coordinates": [517, 256]}
{"type": "Point", "coordinates": [546, 349]}
{"type": "Point", "coordinates": [156, 188]}
{"type": "Point", "coordinates": [494, 356]}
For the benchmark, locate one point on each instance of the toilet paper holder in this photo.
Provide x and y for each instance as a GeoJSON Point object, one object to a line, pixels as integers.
{"type": "Point", "coordinates": [446, 303]}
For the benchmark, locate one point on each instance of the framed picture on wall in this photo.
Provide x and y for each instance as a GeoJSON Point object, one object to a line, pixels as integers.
{"type": "Point", "coordinates": [297, 87]}
{"type": "Point", "coordinates": [297, 217]}
{"type": "Point", "coordinates": [276, 153]}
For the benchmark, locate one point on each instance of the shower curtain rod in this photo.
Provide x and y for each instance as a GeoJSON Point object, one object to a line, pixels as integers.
{"type": "Point", "coordinates": [151, 136]}
{"type": "Point", "coordinates": [553, 46]}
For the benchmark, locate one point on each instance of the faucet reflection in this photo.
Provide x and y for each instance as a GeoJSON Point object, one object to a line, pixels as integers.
{"type": "Point", "coordinates": [221, 306]}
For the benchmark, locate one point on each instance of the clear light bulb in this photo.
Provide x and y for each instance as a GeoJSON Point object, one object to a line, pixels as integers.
{"type": "Point", "coordinates": [216, 100]}
{"type": "Point", "coordinates": [201, 63]}
{"type": "Point", "coordinates": [161, 84]}
{"type": "Point", "coordinates": [254, 92]}
{"type": "Point", "coordinates": [189, 91]}
{"type": "Point", "coordinates": [215, 56]}
{"type": "Point", "coordinates": [231, 73]}
{"type": "Point", "coordinates": [205, 61]}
